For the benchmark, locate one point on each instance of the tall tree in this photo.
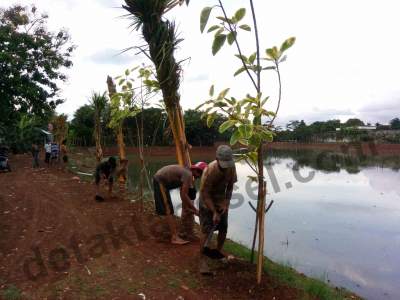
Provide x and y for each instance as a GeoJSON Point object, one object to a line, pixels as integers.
{"type": "Point", "coordinates": [98, 102]}
{"type": "Point", "coordinates": [31, 59]}
{"type": "Point", "coordinates": [160, 36]}
{"type": "Point", "coordinates": [395, 123]}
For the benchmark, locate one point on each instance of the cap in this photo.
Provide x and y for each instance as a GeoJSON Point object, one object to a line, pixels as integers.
{"type": "Point", "coordinates": [200, 166]}
{"type": "Point", "coordinates": [225, 156]}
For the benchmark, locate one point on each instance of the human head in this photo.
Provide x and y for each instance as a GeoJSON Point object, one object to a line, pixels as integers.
{"type": "Point", "coordinates": [224, 157]}
{"type": "Point", "coordinates": [64, 142]}
{"type": "Point", "coordinates": [198, 168]}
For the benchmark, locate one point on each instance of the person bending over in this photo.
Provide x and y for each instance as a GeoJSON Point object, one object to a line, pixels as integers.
{"type": "Point", "coordinates": [105, 170]}
{"type": "Point", "coordinates": [173, 177]}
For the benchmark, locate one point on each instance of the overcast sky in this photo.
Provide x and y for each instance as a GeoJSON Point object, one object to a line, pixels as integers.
{"type": "Point", "coordinates": [345, 63]}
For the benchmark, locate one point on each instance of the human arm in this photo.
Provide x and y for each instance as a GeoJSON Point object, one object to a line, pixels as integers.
{"type": "Point", "coordinates": [184, 193]}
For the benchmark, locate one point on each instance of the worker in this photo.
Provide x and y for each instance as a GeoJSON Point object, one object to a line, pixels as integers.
{"type": "Point", "coordinates": [172, 177]}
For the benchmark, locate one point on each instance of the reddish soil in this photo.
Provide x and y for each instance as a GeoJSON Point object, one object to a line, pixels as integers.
{"type": "Point", "coordinates": [90, 250]}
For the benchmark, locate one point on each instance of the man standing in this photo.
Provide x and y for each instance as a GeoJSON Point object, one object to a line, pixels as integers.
{"type": "Point", "coordinates": [215, 195]}
{"type": "Point", "coordinates": [173, 177]}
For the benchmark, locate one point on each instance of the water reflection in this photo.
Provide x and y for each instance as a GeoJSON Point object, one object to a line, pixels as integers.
{"type": "Point", "coordinates": [343, 224]}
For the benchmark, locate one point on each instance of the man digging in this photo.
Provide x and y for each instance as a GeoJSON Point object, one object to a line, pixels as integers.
{"type": "Point", "coordinates": [173, 177]}
{"type": "Point", "coordinates": [215, 195]}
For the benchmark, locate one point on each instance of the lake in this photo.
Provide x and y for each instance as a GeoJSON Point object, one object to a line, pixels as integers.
{"type": "Point", "coordinates": [335, 217]}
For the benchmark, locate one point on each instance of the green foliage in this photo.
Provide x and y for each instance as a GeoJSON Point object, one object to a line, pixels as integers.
{"type": "Point", "coordinates": [82, 125]}
{"type": "Point", "coordinates": [31, 60]}
{"type": "Point", "coordinates": [245, 116]}
{"type": "Point", "coordinates": [395, 123]}
{"type": "Point", "coordinates": [136, 84]}
{"type": "Point", "coordinates": [354, 122]}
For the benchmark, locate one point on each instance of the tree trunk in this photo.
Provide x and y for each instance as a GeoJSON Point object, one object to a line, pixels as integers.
{"type": "Point", "coordinates": [97, 137]}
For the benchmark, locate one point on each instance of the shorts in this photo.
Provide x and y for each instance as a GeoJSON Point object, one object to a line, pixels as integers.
{"type": "Point", "coordinates": [162, 199]}
{"type": "Point", "coordinates": [47, 157]}
{"type": "Point", "coordinates": [207, 223]}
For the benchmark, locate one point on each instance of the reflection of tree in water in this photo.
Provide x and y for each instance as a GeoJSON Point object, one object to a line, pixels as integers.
{"type": "Point", "coordinates": [330, 161]}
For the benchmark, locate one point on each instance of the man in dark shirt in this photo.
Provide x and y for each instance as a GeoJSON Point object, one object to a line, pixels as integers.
{"type": "Point", "coordinates": [105, 170]}
{"type": "Point", "coordinates": [173, 177]}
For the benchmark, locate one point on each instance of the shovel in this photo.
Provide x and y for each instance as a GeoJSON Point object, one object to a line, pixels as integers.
{"type": "Point", "coordinates": [211, 253]}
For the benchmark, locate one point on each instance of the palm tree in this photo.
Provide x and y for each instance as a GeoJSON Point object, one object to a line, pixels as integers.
{"type": "Point", "coordinates": [98, 102]}
{"type": "Point", "coordinates": [160, 36]}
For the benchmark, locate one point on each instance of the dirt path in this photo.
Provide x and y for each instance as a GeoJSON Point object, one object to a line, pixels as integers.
{"type": "Point", "coordinates": [56, 242]}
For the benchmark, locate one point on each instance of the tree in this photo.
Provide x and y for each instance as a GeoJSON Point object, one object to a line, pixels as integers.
{"type": "Point", "coordinates": [160, 36]}
{"type": "Point", "coordinates": [82, 125]}
{"type": "Point", "coordinates": [395, 123]}
{"type": "Point", "coordinates": [98, 102]}
{"type": "Point", "coordinates": [354, 122]}
{"type": "Point", "coordinates": [246, 116]}
{"type": "Point", "coordinates": [31, 60]}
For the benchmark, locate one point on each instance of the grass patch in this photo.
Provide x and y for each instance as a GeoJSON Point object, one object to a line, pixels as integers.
{"type": "Point", "coordinates": [286, 275]}
{"type": "Point", "coordinates": [11, 293]}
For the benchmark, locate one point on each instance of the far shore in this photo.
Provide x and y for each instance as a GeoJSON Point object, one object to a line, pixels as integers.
{"type": "Point", "coordinates": [367, 149]}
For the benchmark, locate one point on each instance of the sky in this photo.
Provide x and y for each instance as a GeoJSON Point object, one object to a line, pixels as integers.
{"type": "Point", "coordinates": [345, 62]}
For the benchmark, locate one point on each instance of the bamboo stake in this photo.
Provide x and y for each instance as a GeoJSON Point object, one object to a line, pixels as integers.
{"type": "Point", "coordinates": [261, 217]}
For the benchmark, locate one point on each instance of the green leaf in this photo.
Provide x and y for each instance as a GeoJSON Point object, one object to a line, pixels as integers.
{"type": "Point", "coordinates": [239, 14]}
{"type": "Point", "coordinates": [223, 93]}
{"type": "Point", "coordinates": [211, 93]}
{"type": "Point", "coordinates": [235, 137]}
{"type": "Point", "coordinates": [219, 41]}
{"type": "Point", "coordinates": [127, 72]}
{"type": "Point", "coordinates": [269, 68]}
{"type": "Point", "coordinates": [204, 16]}
{"type": "Point", "coordinates": [223, 19]}
{"type": "Point", "coordinates": [242, 69]}
{"type": "Point", "coordinates": [255, 140]}
{"type": "Point", "coordinates": [266, 135]}
{"type": "Point", "coordinates": [264, 101]}
{"type": "Point", "coordinates": [211, 119]}
{"type": "Point", "coordinates": [273, 53]}
{"type": "Point", "coordinates": [226, 125]}
{"type": "Point", "coordinates": [252, 57]}
{"type": "Point", "coordinates": [287, 44]}
{"type": "Point", "coordinates": [212, 28]}
{"type": "Point", "coordinates": [231, 37]}
{"type": "Point", "coordinates": [245, 130]}
{"type": "Point", "coordinates": [245, 27]}
{"type": "Point", "coordinates": [121, 81]}
{"type": "Point", "coordinates": [242, 57]}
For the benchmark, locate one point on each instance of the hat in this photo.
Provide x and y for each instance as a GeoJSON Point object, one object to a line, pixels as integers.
{"type": "Point", "coordinates": [225, 156]}
{"type": "Point", "coordinates": [199, 166]}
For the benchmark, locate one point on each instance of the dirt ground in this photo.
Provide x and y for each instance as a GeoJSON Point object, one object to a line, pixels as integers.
{"type": "Point", "coordinates": [56, 242]}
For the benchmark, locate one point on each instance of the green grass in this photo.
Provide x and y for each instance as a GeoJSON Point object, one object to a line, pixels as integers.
{"type": "Point", "coordinates": [286, 275]}
{"type": "Point", "coordinates": [11, 293]}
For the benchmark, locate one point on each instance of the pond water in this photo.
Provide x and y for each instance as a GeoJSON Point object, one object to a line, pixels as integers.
{"type": "Point", "coordinates": [334, 217]}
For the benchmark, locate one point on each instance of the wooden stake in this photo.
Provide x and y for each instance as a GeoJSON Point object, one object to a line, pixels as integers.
{"type": "Point", "coordinates": [261, 218]}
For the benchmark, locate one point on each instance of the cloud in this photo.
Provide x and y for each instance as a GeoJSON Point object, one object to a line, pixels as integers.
{"type": "Point", "coordinates": [113, 57]}
{"type": "Point", "coordinates": [382, 111]}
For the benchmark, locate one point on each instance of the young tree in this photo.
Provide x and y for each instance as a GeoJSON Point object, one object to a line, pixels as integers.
{"type": "Point", "coordinates": [246, 116]}
{"type": "Point", "coordinates": [98, 102]}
